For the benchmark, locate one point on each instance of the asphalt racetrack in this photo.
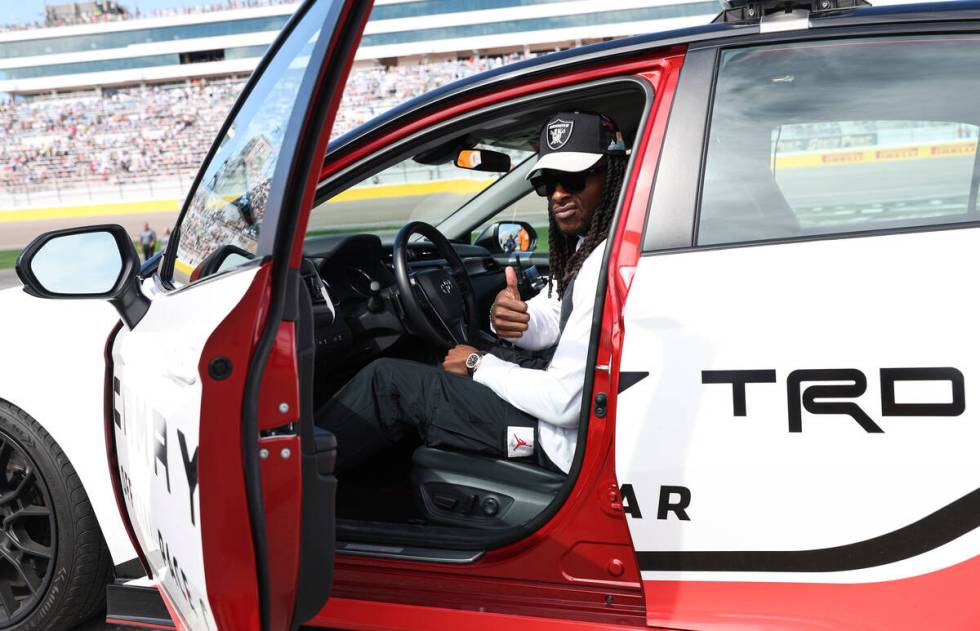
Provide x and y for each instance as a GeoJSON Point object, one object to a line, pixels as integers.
{"type": "Point", "coordinates": [17, 234]}
{"type": "Point", "coordinates": [8, 278]}
{"type": "Point", "coordinates": [335, 215]}
{"type": "Point", "coordinates": [823, 198]}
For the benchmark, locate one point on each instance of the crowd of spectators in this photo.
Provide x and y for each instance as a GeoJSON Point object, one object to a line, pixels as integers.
{"type": "Point", "coordinates": [133, 134]}
{"type": "Point", "coordinates": [375, 90]}
{"type": "Point", "coordinates": [110, 138]}
{"type": "Point", "coordinates": [98, 11]}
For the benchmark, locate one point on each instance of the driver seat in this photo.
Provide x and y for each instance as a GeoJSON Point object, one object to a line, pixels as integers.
{"type": "Point", "coordinates": [457, 489]}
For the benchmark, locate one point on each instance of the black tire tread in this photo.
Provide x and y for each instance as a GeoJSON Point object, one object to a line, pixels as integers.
{"type": "Point", "coordinates": [91, 567]}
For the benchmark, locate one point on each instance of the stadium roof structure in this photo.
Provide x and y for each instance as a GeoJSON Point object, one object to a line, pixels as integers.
{"type": "Point", "coordinates": [231, 42]}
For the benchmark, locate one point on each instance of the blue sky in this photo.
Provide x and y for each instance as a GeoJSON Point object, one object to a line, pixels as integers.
{"type": "Point", "coordinates": [30, 10]}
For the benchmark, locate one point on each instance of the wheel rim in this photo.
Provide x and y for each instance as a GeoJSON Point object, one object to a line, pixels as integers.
{"type": "Point", "coordinates": [27, 533]}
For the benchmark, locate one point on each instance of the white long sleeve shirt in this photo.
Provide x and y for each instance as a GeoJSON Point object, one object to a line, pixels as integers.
{"type": "Point", "coordinates": [553, 395]}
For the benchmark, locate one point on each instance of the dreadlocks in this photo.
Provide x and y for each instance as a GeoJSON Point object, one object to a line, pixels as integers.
{"type": "Point", "coordinates": [564, 259]}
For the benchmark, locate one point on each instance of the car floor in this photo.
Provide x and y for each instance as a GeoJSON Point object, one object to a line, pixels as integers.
{"type": "Point", "coordinates": [381, 490]}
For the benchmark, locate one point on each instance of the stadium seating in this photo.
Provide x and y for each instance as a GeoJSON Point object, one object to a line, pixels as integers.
{"type": "Point", "coordinates": [116, 136]}
{"type": "Point", "coordinates": [93, 15]}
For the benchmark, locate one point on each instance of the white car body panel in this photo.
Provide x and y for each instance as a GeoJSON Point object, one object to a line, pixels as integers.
{"type": "Point", "coordinates": [864, 303]}
{"type": "Point", "coordinates": [54, 370]}
{"type": "Point", "coordinates": [157, 436]}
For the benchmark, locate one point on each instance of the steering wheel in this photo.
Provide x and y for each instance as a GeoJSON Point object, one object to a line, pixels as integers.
{"type": "Point", "coordinates": [438, 304]}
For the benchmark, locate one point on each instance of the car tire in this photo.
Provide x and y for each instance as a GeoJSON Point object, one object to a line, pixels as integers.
{"type": "Point", "coordinates": [54, 563]}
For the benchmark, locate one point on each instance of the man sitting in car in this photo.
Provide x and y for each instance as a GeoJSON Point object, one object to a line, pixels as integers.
{"type": "Point", "coordinates": [483, 402]}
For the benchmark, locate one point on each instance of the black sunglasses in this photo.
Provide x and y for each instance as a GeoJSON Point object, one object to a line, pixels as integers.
{"type": "Point", "coordinates": [546, 181]}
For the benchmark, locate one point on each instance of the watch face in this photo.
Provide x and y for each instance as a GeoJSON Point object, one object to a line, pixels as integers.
{"type": "Point", "coordinates": [472, 360]}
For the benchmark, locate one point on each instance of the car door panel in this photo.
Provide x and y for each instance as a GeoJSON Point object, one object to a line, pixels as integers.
{"type": "Point", "coordinates": [794, 420]}
{"type": "Point", "coordinates": [582, 557]}
{"type": "Point", "coordinates": [158, 439]}
{"type": "Point", "coordinates": [852, 502]}
{"type": "Point", "coordinates": [209, 379]}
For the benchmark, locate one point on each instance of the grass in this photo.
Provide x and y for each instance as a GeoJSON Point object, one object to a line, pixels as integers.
{"type": "Point", "coordinates": [8, 258]}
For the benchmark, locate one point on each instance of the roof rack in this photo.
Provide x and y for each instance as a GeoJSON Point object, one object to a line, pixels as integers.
{"type": "Point", "coordinates": [756, 10]}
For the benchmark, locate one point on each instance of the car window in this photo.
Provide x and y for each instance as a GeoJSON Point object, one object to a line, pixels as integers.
{"type": "Point", "coordinates": [406, 191]}
{"type": "Point", "coordinates": [840, 137]}
{"type": "Point", "coordinates": [228, 205]}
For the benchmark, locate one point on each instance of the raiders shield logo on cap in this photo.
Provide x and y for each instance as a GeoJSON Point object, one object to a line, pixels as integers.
{"type": "Point", "coordinates": [559, 132]}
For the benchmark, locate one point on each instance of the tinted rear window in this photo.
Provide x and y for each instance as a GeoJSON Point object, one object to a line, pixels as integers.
{"type": "Point", "coordinates": [838, 137]}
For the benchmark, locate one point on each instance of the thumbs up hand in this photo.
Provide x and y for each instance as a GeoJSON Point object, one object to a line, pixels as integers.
{"type": "Point", "coordinates": [509, 313]}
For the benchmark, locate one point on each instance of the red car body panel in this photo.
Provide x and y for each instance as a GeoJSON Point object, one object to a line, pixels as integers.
{"type": "Point", "coordinates": [229, 558]}
{"type": "Point", "coordinates": [945, 599]}
{"type": "Point", "coordinates": [581, 564]}
{"type": "Point", "coordinates": [364, 615]}
{"type": "Point", "coordinates": [279, 397]}
{"type": "Point", "coordinates": [283, 510]}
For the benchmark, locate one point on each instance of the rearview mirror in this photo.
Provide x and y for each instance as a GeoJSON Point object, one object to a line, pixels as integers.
{"type": "Point", "coordinates": [482, 160]}
{"type": "Point", "coordinates": [91, 262]}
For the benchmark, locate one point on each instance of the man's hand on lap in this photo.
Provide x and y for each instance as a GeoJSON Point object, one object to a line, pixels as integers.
{"type": "Point", "coordinates": [455, 361]}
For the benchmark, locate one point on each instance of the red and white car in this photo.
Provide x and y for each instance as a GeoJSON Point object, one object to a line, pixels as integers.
{"type": "Point", "coordinates": [778, 428]}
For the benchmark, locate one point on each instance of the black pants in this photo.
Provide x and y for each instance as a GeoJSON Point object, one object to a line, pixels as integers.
{"type": "Point", "coordinates": [389, 398]}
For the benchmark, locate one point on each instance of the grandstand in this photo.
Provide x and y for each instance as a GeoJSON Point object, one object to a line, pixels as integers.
{"type": "Point", "coordinates": [111, 137]}
{"type": "Point", "coordinates": [101, 101]}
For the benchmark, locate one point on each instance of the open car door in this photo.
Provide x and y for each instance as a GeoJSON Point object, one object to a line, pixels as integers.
{"type": "Point", "coordinates": [226, 487]}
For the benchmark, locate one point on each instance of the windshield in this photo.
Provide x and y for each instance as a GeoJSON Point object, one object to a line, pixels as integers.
{"type": "Point", "coordinates": [407, 191]}
{"type": "Point", "coordinates": [228, 206]}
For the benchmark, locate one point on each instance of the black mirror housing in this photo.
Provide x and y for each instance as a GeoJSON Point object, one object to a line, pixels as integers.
{"type": "Point", "coordinates": [124, 294]}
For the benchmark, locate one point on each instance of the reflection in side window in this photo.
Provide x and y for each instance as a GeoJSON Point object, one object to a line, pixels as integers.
{"type": "Point", "coordinates": [849, 136]}
{"type": "Point", "coordinates": [229, 204]}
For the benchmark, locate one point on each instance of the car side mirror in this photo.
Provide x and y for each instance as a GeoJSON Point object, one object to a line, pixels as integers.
{"type": "Point", "coordinates": [506, 237]}
{"type": "Point", "coordinates": [94, 262]}
{"type": "Point", "coordinates": [482, 160]}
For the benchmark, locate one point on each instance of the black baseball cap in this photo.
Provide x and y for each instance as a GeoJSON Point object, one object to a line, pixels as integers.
{"type": "Point", "coordinates": [575, 141]}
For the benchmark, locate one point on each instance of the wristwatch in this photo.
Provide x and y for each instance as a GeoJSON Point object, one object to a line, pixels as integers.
{"type": "Point", "coordinates": [473, 362]}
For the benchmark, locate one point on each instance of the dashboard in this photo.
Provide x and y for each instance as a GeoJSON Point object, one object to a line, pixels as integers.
{"type": "Point", "coordinates": [357, 313]}
{"type": "Point", "coordinates": [349, 264]}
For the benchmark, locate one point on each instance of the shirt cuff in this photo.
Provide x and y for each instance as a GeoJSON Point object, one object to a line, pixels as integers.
{"type": "Point", "coordinates": [492, 372]}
